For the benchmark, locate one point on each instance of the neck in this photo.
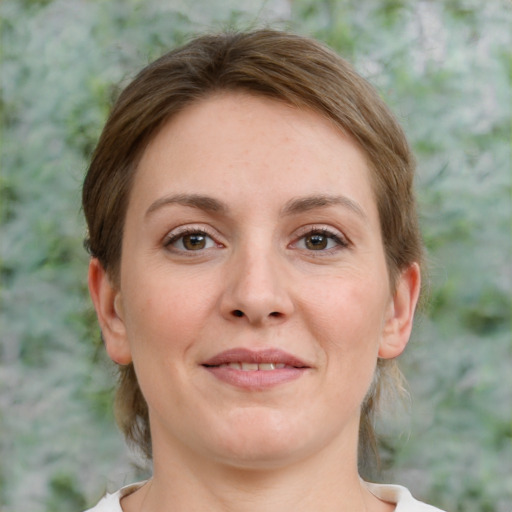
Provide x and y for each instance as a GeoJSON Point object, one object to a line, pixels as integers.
{"type": "Point", "coordinates": [325, 481]}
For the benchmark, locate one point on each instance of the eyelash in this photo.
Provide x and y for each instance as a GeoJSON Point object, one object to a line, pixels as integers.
{"type": "Point", "coordinates": [341, 241]}
{"type": "Point", "coordinates": [172, 238]}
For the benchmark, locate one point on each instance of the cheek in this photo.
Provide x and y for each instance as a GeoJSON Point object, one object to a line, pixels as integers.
{"type": "Point", "coordinates": [345, 318]}
{"type": "Point", "coordinates": [165, 312]}
{"type": "Point", "coordinates": [345, 315]}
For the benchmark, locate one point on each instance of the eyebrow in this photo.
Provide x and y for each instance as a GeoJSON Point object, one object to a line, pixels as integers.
{"type": "Point", "coordinates": [304, 204]}
{"type": "Point", "coordinates": [205, 203]}
{"type": "Point", "coordinates": [292, 207]}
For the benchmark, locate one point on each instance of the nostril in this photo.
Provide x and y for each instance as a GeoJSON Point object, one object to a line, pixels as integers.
{"type": "Point", "coordinates": [239, 313]}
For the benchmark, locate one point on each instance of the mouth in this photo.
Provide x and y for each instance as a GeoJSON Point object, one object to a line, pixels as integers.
{"type": "Point", "coordinates": [255, 370]}
{"type": "Point", "coordinates": [248, 367]}
{"type": "Point", "coordinates": [255, 360]}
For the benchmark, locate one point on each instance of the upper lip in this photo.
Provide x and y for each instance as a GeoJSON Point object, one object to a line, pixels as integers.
{"type": "Point", "coordinates": [273, 355]}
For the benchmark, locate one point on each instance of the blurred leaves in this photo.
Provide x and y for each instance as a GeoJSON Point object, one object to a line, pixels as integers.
{"type": "Point", "coordinates": [444, 68]}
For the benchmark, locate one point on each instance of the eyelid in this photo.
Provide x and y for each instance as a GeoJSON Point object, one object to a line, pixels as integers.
{"type": "Point", "coordinates": [329, 231]}
{"type": "Point", "coordinates": [190, 229]}
{"type": "Point", "coordinates": [323, 229]}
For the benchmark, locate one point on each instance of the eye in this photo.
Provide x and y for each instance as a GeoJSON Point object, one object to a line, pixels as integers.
{"type": "Point", "coordinates": [189, 241]}
{"type": "Point", "coordinates": [320, 240]}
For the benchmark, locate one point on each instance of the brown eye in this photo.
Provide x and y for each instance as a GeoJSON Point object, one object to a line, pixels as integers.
{"type": "Point", "coordinates": [190, 242]}
{"type": "Point", "coordinates": [316, 242]}
{"type": "Point", "coordinates": [322, 241]}
{"type": "Point", "coordinates": [194, 242]}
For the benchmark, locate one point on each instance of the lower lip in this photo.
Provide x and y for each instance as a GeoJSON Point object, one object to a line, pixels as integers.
{"type": "Point", "coordinates": [255, 380]}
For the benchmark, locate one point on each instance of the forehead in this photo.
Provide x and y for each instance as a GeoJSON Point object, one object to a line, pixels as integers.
{"type": "Point", "coordinates": [240, 145]}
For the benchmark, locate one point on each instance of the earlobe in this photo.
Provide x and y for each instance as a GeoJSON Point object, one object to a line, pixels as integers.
{"type": "Point", "coordinates": [398, 326]}
{"type": "Point", "coordinates": [107, 302]}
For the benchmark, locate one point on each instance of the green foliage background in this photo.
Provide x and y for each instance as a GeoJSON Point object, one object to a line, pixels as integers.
{"type": "Point", "coordinates": [444, 67]}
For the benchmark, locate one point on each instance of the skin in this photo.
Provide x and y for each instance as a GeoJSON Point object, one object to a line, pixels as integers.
{"type": "Point", "coordinates": [309, 278]}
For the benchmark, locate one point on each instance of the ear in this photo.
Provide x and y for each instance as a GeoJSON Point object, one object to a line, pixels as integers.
{"type": "Point", "coordinates": [107, 302]}
{"type": "Point", "coordinates": [398, 325]}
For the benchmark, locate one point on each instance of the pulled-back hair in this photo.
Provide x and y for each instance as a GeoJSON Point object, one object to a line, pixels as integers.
{"type": "Point", "coordinates": [289, 68]}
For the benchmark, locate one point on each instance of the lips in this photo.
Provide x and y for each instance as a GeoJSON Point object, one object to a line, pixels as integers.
{"type": "Point", "coordinates": [248, 367]}
{"type": "Point", "coordinates": [255, 370]}
{"type": "Point", "coordinates": [260, 357]}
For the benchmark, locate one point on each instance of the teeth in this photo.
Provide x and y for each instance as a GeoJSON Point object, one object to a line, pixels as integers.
{"type": "Point", "coordinates": [248, 367]}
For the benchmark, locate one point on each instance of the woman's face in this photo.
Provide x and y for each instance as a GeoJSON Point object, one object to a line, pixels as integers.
{"type": "Point", "coordinates": [254, 297]}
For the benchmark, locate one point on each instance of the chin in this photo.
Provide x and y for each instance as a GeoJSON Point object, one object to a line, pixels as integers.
{"type": "Point", "coordinates": [260, 456]}
{"type": "Point", "coordinates": [258, 441]}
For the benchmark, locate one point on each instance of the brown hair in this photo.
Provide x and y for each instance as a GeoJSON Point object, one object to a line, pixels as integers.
{"type": "Point", "coordinates": [288, 68]}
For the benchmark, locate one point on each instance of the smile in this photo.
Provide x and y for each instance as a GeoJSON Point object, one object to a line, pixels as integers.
{"type": "Point", "coordinates": [247, 367]}
{"type": "Point", "coordinates": [255, 370]}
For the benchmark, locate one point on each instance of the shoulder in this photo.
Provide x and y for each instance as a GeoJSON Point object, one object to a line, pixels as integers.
{"type": "Point", "coordinates": [396, 494]}
{"type": "Point", "coordinates": [401, 496]}
{"type": "Point", "coordinates": [112, 502]}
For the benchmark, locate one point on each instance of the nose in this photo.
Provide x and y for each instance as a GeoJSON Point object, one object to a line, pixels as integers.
{"type": "Point", "coordinates": [257, 290]}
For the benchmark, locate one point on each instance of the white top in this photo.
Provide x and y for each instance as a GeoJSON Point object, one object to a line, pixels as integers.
{"type": "Point", "coordinates": [391, 493]}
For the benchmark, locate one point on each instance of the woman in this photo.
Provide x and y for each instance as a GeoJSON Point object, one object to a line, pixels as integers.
{"type": "Point", "coordinates": [255, 270]}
